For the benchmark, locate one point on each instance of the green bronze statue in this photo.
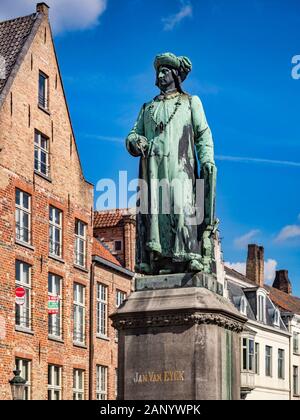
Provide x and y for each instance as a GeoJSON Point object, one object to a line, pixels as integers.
{"type": "Point", "coordinates": [171, 136]}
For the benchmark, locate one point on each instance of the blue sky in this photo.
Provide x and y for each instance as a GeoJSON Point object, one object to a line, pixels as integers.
{"type": "Point", "coordinates": [242, 63]}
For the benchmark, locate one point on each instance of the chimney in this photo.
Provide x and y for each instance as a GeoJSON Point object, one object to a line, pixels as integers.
{"type": "Point", "coordinates": [282, 282]}
{"type": "Point", "coordinates": [255, 264]}
{"type": "Point", "coordinates": [42, 8]}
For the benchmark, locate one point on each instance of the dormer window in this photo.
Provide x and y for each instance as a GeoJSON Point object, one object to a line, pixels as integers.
{"type": "Point", "coordinates": [261, 307]}
{"type": "Point", "coordinates": [243, 306]}
{"type": "Point", "coordinates": [276, 319]}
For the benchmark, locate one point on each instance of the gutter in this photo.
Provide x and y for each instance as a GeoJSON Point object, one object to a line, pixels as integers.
{"type": "Point", "coordinates": [102, 261]}
{"type": "Point", "coordinates": [91, 347]}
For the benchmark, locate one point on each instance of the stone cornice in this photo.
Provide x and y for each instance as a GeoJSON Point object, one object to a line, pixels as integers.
{"type": "Point", "coordinates": [131, 321]}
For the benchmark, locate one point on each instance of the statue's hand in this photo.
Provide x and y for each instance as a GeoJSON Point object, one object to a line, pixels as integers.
{"type": "Point", "coordinates": [140, 145]}
{"type": "Point", "coordinates": [208, 168]}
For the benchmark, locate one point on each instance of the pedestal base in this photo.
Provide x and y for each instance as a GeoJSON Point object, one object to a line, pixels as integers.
{"type": "Point", "coordinates": [178, 344]}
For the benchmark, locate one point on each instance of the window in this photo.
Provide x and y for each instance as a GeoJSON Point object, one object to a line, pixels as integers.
{"type": "Point", "coordinates": [261, 310]}
{"type": "Point", "coordinates": [55, 232]}
{"type": "Point", "coordinates": [55, 296]}
{"type": "Point", "coordinates": [43, 90]}
{"type": "Point", "coordinates": [23, 216]}
{"type": "Point", "coordinates": [102, 309]}
{"type": "Point", "coordinates": [295, 380]}
{"type": "Point", "coordinates": [276, 318]}
{"type": "Point", "coordinates": [248, 354]}
{"type": "Point", "coordinates": [23, 280]}
{"type": "Point", "coordinates": [257, 358]}
{"type": "Point", "coordinates": [268, 361]}
{"type": "Point", "coordinates": [243, 306]}
{"type": "Point", "coordinates": [296, 343]}
{"type": "Point", "coordinates": [101, 387]}
{"type": "Point", "coordinates": [41, 154]}
{"type": "Point", "coordinates": [118, 246]}
{"type": "Point", "coordinates": [25, 367]}
{"type": "Point", "coordinates": [280, 364]}
{"type": "Point", "coordinates": [79, 313]}
{"type": "Point", "coordinates": [78, 384]}
{"type": "Point", "coordinates": [54, 382]}
{"type": "Point", "coordinates": [120, 297]}
{"type": "Point", "coordinates": [80, 243]}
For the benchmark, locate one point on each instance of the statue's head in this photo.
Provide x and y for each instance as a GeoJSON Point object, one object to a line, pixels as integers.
{"type": "Point", "coordinates": [171, 71]}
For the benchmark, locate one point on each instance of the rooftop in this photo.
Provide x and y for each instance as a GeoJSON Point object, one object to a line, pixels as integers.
{"type": "Point", "coordinates": [109, 218]}
{"type": "Point", "coordinates": [101, 251]}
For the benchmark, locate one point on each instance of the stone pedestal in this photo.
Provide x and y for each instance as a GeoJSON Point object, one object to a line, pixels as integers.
{"type": "Point", "coordinates": [178, 342]}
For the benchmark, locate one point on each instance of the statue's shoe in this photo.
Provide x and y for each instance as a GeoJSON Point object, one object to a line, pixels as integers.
{"type": "Point", "coordinates": [195, 266]}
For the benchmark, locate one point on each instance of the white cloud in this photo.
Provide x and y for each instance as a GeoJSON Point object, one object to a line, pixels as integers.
{"type": "Point", "coordinates": [270, 268]}
{"type": "Point", "coordinates": [288, 232]}
{"type": "Point", "coordinates": [65, 15]}
{"type": "Point", "coordinates": [244, 240]}
{"type": "Point", "coordinates": [171, 21]}
{"type": "Point", "coordinates": [257, 160]}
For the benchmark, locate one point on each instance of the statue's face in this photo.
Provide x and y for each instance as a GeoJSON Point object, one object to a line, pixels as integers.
{"type": "Point", "coordinates": [165, 79]}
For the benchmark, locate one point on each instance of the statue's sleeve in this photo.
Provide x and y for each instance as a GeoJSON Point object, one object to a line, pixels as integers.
{"type": "Point", "coordinates": [202, 134]}
{"type": "Point", "coordinates": [133, 136]}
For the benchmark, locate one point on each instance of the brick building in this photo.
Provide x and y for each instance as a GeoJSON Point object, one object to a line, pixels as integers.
{"type": "Point", "coordinates": [117, 230]}
{"type": "Point", "coordinates": [46, 233]}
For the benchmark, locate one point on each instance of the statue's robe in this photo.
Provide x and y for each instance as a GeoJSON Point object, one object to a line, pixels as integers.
{"type": "Point", "coordinates": [172, 155]}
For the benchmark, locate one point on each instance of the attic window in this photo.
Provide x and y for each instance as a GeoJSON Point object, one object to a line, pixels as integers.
{"type": "Point", "coordinates": [43, 90]}
{"type": "Point", "coordinates": [243, 306]}
{"type": "Point", "coordinates": [276, 318]}
{"type": "Point", "coordinates": [118, 246]}
{"type": "Point", "coordinates": [261, 308]}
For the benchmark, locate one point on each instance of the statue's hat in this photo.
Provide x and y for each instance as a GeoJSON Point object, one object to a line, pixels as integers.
{"type": "Point", "coordinates": [182, 64]}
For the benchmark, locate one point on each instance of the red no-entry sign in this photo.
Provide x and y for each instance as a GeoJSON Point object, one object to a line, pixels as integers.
{"type": "Point", "coordinates": [20, 295]}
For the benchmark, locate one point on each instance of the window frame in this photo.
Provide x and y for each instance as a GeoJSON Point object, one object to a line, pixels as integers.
{"type": "Point", "coordinates": [121, 245]}
{"type": "Point", "coordinates": [79, 316]}
{"type": "Point", "coordinates": [100, 393]}
{"type": "Point", "coordinates": [248, 355]}
{"type": "Point", "coordinates": [269, 362]}
{"type": "Point", "coordinates": [102, 310]}
{"type": "Point", "coordinates": [256, 358]}
{"type": "Point", "coordinates": [281, 364]}
{"type": "Point", "coordinates": [43, 100]}
{"type": "Point", "coordinates": [52, 388]}
{"type": "Point", "coordinates": [20, 210]}
{"type": "Point", "coordinates": [296, 342]}
{"type": "Point", "coordinates": [28, 291]}
{"type": "Point", "coordinates": [20, 362]}
{"type": "Point", "coordinates": [38, 137]}
{"type": "Point", "coordinates": [53, 228]}
{"type": "Point", "coordinates": [54, 277]}
{"type": "Point", "coordinates": [77, 391]}
{"type": "Point", "coordinates": [261, 307]}
{"type": "Point", "coordinates": [79, 238]}
{"type": "Point", "coordinates": [295, 381]}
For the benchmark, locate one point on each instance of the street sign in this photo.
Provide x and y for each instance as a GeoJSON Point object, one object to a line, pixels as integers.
{"type": "Point", "coordinates": [20, 295]}
{"type": "Point", "coordinates": [53, 305]}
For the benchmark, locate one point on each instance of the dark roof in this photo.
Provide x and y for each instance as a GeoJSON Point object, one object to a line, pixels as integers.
{"type": "Point", "coordinates": [237, 275]}
{"type": "Point", "coordinates": [284, 301]}
{"type": "Point", "coordinates": [235, 293]}
{"type": "Point", "coordinates": [13, 35]}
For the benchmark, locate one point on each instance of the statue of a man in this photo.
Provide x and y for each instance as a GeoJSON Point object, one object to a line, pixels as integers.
{"type": "Point", "coordinates": [171, 132]}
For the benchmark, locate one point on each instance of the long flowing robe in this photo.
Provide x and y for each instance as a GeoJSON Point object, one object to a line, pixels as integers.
{"type": "Point", "coordinates": [171, 156]}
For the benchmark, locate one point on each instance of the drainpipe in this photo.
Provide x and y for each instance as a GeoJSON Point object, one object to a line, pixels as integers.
{"type": "Point", "coordinates": [91, 349]}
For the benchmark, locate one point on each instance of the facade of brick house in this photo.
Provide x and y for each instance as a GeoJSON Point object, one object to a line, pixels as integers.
{"type": "Point", "coordinates": [46, 230]}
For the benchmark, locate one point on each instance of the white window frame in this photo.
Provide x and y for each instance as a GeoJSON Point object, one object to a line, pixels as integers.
{"type": "Point", "coordinates": [101, 382]}
{"type": "Point", "coordinates": [102, 310]}
{"type": "Point", "coordinates": [295, 381]}
{"type": "Point", "coordinates": [243, 305]}
{"type": "Point", "coordinates": [276, 318]}
{"type": "Point", "coordinates": [261, 307]}
{"type": "Point", "coordinates": [80, 239]}
{"type": "Point", "coordinates": [79, 313]}
{"type": "Point", "coordinates": [78, 391]}
{"type": "Point", "coordinates": [120, 297]}
{"type": "Point", "coordinates": [256, 358]}
{"type": "Point", "coordinates": [26, 374]}
{"type": "Point", "coordinates": [20, 211]}
{"type": "Point", "coordinates": [52, 387]}
{"type": "Point", "coordinates": [295, 342]}
{"type": "Point", "coordinates": [55, 325]}
{"type": "Point", "coordinates": [248, 351]}
{"type": "Point", "coordinates": [270, 358]}
{"type": "Point", "coordinates": [55, 247]}
{"type": "Point", "coordinates": [281, 364]}
{"type": "Point", "coordinates": [41, 167]}
{"type": "Point", "coordinates": [25, 310]}
{"type": "Point", "coordinates": [43, 101]}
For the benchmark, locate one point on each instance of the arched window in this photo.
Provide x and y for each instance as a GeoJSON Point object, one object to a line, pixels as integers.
{"type": "Point", "coordinates": [276, 317]}
{"type": "Point", "coordinates": [243, 305]}
{"type": "Point", "coordinates": [261, 307]}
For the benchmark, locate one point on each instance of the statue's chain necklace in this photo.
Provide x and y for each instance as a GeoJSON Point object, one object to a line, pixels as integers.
{"type": "Point", "coordinates": [160, 127]}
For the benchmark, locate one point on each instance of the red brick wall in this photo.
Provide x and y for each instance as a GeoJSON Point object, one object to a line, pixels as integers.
{"type": "Point", "coordinates": [69, 191]}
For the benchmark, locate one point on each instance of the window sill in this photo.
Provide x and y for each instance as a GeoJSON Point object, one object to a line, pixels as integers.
{"type": "Point", "coordinates": [44, 109]}
{"type": "Point", "coordinates": [24, 330]}
{"type": "Point", "coordinates": [40, 174]}
{"type": "Point", "coordinates": [102, 337]}
{"type": "Point", "coordinates": [81, 268]}
{"type": "Point", "coordinates": [54, 338]}
{"type": "Point", "coordinates": [53, 257]}
{"type": "Point", "coordinates": [25, 244]}
{"type": "Point", "coordinates": [82, 346]}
